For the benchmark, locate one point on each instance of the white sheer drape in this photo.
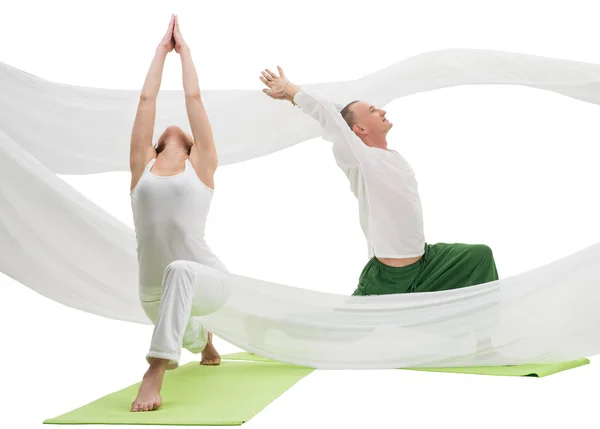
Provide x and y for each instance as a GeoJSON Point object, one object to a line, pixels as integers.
{"type": "Point", "coordinates": [55, 241]}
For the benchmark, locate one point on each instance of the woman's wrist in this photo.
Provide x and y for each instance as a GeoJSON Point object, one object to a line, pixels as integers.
{"type": "Point", "coordinates": [162, 50]}
{"type": "Point", "coordinates": [183, 49]}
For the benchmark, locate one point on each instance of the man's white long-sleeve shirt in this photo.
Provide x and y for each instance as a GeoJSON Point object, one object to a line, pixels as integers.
{"type": "Point", "coordinates": [390, 209]}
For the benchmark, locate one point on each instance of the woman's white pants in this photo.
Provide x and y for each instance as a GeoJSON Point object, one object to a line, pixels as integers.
{"type": "Point", "coordinates": [189, 290]}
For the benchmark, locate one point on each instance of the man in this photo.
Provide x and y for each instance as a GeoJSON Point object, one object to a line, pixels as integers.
{"type": "Point", "coordinates": [389, 204]}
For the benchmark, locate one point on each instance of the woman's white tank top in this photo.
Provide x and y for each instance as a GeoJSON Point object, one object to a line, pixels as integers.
{"type": "Point", "coordinates": [169, 214]}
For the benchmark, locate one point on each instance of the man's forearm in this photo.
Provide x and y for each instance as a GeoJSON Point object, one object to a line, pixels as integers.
{"type": "Point", "coordinates": [154, 76]}
{"type": "Point", "coordinates": [191, 88]}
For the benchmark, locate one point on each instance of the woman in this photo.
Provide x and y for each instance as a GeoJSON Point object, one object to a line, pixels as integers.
{"type": "Point", "coordinates": [171, 190]}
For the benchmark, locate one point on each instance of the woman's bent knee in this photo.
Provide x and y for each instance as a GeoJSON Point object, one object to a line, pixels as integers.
{"type": "Point", "coordinates": [178, 266]}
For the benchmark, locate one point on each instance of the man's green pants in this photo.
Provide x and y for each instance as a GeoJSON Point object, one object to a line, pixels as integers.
{"type": "Point", "coordinates": [444, 266]}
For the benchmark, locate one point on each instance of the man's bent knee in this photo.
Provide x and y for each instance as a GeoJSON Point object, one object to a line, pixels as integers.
{"type": "Point", "coordinates": [482, 252]}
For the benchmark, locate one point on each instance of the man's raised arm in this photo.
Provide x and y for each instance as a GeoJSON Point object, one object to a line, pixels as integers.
{"type": "Point", "coordinates": [349, 148]}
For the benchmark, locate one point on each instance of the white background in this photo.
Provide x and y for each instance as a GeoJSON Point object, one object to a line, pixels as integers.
{"type": "Point", "coordinates": [511, 167]}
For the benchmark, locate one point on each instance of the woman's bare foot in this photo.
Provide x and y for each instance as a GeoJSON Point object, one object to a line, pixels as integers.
{"type": "Point", "coordinates": [210, 356]}
{"type": "Point", "coordinates": [148, 398]}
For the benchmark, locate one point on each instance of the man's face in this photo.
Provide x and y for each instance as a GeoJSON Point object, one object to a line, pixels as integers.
{"type": "Point", "coordinates": [369, 120]}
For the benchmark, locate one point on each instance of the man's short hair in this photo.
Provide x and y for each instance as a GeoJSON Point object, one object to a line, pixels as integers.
{"type": "Point", "coordinates": [348, 114]}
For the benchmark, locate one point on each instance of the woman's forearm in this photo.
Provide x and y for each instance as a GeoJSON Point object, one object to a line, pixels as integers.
{"type": "Point", "coordinates": [199, 122]}
{"type": "Point", "coordinates": [191, 88]}
{"type": "Point", "coordinates": [154, 76]}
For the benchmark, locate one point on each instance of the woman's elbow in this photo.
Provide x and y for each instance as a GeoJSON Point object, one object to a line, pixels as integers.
{"type": "Point", "coordinates": [145, 97]}
{"type": "Point", "coordinates": [194, 96]}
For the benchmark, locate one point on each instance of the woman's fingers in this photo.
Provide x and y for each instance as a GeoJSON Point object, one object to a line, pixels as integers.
{"type": "Point", "coordinates": [177, 25]}
{"type": "Point", "coordinates": [170, 28]}
{"type": "Point", "coordinates": [169, 34]}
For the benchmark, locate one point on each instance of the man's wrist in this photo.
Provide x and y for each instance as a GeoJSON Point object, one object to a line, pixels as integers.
{"type": "Point", "coordinates": [290, 90]}
{"type": "Point", "coordinates": [291, 100]}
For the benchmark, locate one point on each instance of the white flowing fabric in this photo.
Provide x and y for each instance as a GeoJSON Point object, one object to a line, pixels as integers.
{"type": "Point", "coordinates": [61, 245]}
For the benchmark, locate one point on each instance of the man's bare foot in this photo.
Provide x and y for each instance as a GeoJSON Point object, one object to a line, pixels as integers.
{"type": "Point", "coordinates": [148, 398]}
{"type": "Point", "coordinates": [210, 356]}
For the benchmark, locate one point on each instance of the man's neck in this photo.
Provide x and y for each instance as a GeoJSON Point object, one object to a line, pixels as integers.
{"type": "Point", "coordinates": [379, 142]}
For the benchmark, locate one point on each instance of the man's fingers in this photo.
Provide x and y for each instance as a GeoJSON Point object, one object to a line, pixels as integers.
{"type": "Point", "coordinates": [265, 81]}
{"type": "Point", "coordinates": [273, 75]}
{"type": "Point", "coordinates": [269, 92]}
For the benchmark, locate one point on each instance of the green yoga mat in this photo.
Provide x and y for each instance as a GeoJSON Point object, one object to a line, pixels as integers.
{"type": "Point", "coordinates": [195, 395]}
{"type": "Point", "coordinates": [531, 370]}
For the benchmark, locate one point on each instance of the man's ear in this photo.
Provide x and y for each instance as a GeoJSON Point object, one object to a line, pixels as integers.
{"type": "Point", "coordinates": [358, 129]}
